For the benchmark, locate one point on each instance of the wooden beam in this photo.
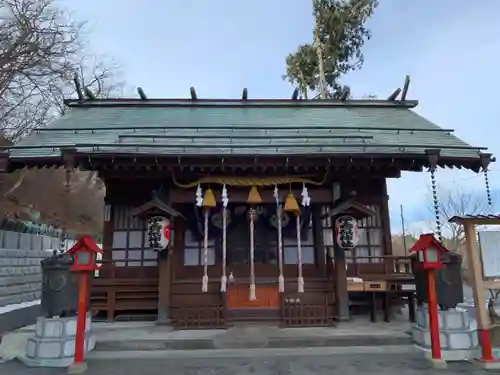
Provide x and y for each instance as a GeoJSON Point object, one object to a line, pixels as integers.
{"type": "Point", "coordinates": [90, 95]}
{"type": "Point", "coordinates": [478, 221]}
{"type": "Point", "coordinates": [193, 93]}
{"type": "Point", "coordinates": [188, 174]}
{"type": "Point", "coordinates": [394, 95]}
{"type": "Point", "coordinates": [141, 93]}
{"type": "Point", "coordinates": [244, 94]}
{"type": "Point", "coordinates": [406, 86]}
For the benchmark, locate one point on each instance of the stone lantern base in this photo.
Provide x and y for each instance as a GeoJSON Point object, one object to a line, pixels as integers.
{"type": "Point", "coordinates": [54, 342]}
{"type": "Point", "coordinates": [457, 333]}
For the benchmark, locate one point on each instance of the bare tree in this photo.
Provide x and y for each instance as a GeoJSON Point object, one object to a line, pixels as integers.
{"type": "Point", "coordinates": [40, 54]}
{"type": "Point", "coordinates": [457, 202]}
{"type": "Point", "coordinates": [40, 48]}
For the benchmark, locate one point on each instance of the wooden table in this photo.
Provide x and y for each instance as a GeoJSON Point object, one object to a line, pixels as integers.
{"type": "Point", "coordinates": [386, 296]}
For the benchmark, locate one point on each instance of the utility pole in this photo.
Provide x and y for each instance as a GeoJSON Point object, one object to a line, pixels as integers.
{"type": "Point", "coordinates": [403, 226]}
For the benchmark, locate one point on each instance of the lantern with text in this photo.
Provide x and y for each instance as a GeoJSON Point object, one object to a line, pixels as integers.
{"type": "Point", "coordinates": [428, 251]}
{"type": "Point", "coordinates": [84, 254]}
{"type": "Point", "coordinates": [159, 232]}
{"type": "Point", "coordinates": [161, 220]}
{"type": "Point", "coordinates": [346, 231]}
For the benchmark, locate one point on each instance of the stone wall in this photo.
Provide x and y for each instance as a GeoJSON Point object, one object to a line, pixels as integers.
{"type": "Point", "coordinates": [20, 275]}
{"type": "Point", "coordinates": [20, 271]}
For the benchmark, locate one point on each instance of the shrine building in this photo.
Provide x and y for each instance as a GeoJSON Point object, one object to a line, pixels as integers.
{"type": "Point", "coordinates": [219, 211]}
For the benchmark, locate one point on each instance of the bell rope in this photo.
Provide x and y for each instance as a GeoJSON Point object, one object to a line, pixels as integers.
{"type": "Point", "coordinates": [281, 278]}
{"type": "Point", "coordinates": [225, 200]}
{"type": "Point", "coordinates": [253, 297]}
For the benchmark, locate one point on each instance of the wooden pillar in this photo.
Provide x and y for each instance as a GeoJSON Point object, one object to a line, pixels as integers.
{"type": "Point", "coordinates": [385, 220]}
{"type": "Point", "coordinates": [319, 244]}
{"type": "Point", "coordinates": [340, 272]}
{"type": "Point", "coordinates": [164, 286]}
{"type": "Point", "coordinates": [340, 277]}
{"type": "Point", "coordinates": [107, 240]}
{"type": "Point", "coordinates": [474, 263]}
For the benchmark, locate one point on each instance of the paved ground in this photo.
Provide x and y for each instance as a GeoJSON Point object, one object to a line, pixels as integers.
{"type": "Point", "coordinates": [385, 364]}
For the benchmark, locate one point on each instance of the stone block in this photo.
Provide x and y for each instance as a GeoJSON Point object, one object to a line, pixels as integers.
{"type": "Point", "coordinates": [53, 328]}
{"type": "Point", "coordinates": [59, 327]}
{"type": "Point", "coordinates": [463, 340]}
{"type": "Point", "coordinates": [54, 342]}
{"type": "Point", "coordinates": [452, 340]}
{"type": "Point", "coordinates": [422, 337]}
{"type": "Point", "coordinates": [453, 319]}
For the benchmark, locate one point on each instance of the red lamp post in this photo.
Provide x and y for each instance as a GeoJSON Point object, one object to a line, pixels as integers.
{"type": "Point", "coordinates": [429, 252]}
{"type": "Point", "coordinates": [84, 253]}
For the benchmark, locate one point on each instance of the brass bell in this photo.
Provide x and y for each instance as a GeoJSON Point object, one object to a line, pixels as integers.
{"type": "Point", "coordinates": [209, 199]}
{"type": "Point", "coordinates": [254, 196]}
{"type": "Point", "coordinates": [291, 204]}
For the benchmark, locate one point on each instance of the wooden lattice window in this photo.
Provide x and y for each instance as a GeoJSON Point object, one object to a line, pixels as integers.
{"type": "Point", "coordinates": [130, 243]}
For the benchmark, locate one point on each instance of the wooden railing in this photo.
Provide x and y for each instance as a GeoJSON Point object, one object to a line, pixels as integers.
{"type": "Point", "coordinates": [294, 313]}
{"type": "Point", "coordinates": [193, 317]}
{"type": "Point", "coordinates": [114, 294]}
{"type": "Point", "coordinates": [385, 267]}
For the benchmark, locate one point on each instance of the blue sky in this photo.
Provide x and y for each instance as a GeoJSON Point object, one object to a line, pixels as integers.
{"type": "Point", "coordinates": [449, 47]}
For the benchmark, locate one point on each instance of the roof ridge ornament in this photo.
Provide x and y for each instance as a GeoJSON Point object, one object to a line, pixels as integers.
{"type": "Point", "coordinates": [193, 93]}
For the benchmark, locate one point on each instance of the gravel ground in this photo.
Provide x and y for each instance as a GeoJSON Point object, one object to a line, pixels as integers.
{"type": "Point", "coordinates": [386, 364]}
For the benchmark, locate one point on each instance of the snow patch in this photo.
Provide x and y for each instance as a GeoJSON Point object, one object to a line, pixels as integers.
{"type": "Point", "coordinates": [17, 306]}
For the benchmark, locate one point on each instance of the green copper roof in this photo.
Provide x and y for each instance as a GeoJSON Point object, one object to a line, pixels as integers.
{"type": "Point", "coordinates": [253, 127]}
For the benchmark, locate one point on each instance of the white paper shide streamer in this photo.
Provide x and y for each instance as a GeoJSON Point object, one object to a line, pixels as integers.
{"type": "Point", "coordinates": [199, 196]}
{"type": "Point", "coordinates": [225, 200]}
{"type": "Point", "coordinates": [281, 279]}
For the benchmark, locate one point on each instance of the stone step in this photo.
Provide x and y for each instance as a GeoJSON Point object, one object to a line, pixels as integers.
{"type": "Point", "coordinates": [251, 343]}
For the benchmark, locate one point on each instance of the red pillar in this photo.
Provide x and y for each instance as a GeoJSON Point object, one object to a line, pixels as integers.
{"type": "Point", "coordinates": [433, 314]}
{"type": "Point", "coordinates": [484, 341]}
{"type": "Point", "coordinates": [83, 279]}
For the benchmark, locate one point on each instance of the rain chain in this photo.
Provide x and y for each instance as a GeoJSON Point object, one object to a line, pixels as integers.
{"type": "Point", "coordinates": [488, 190]}
{"type": "Point", "coordinates": [436, 203]}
